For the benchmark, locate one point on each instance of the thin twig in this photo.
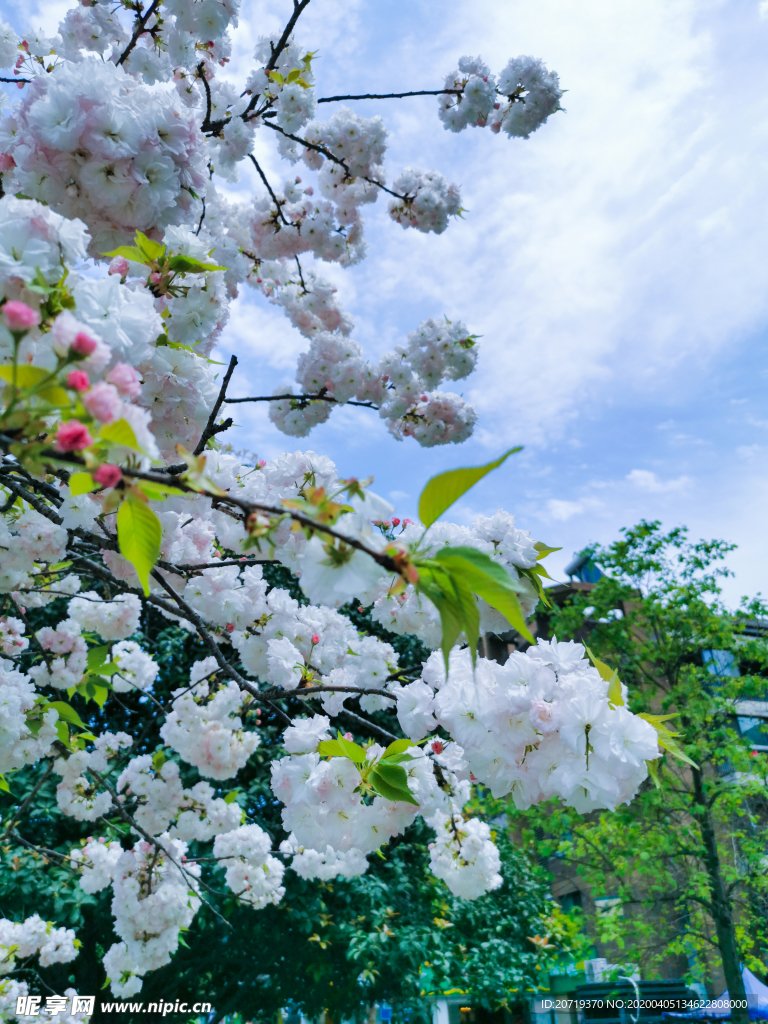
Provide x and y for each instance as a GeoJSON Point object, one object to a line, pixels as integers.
{"type": "Point", "coordinates": [336, 160]}
{"type": "Point", "coordinates": [393, 95]}
{"type": "Point", "coordinates": [211, 427]}
{"type": "Point", "coordinates": [301, 276]}
{"type": "Point", "coordinates": [299, 398]}
{"type": "Point", "coordinates": [268, 187]}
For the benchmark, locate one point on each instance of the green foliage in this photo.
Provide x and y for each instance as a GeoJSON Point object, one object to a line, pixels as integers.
{"type": "Point", "coordinates": [686, 858]}
{"type": "Point", "coordinates": [139, 535]}
{"type": "Point", "coordinates": [441, 491]}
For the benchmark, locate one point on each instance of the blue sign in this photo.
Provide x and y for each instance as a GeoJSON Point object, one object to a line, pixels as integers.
{"type": "Point", "coordinates": [385, 1013]}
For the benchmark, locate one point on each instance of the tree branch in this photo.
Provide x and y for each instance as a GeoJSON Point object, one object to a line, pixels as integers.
{"type": "Point", "coordinates": [210, 428]}
{"type": "Point", "coordinates": [268, 187]}
{"type": "Point", "coordinates": [393, 95]}
{"type": "Point", "coordinates": [141, 22]}
{"type": "Point", "coordinates": [299, 398]}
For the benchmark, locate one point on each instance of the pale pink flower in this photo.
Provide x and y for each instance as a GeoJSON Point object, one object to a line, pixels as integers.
{"type": "Point", "coordinates": [103, 402]}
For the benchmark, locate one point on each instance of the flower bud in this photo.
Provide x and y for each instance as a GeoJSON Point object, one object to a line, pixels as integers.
{"type": "Point", "coordinates": [78, 380]}
{"type": "Point", "coordinates": [72, 436]}
{"type": "Point", "coordinates": [19, 316]}
{"type": "Point", "coordinates": [108, 475]}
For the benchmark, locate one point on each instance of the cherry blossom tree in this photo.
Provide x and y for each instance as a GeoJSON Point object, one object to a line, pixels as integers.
{"type": "Point", "coordinates": [119, 260]}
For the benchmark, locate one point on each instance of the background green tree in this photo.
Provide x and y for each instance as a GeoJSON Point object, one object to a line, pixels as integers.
{"type": "Point", "coordinates": [686, 859]}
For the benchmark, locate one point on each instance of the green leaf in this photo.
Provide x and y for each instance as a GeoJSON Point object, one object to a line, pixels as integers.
{"type": "Point", "coordinates": [66, 713]}
{"type": "Point", "coordinates": [128, 252]}
{"type": "Point", "coordinates": [398, 747]}
{"type": "Point", "coordinates": [610, 676]}
{"type": "Point", "coordinates": [157, 492]}
{"type": "Point", "coordinates": [152, 250]}
{"type": "Point", "coordinates": [653, 771]}
{"type": "Point", "coordinates": [108, 668]}
{"type": "Point", "coordinates": [293, 75]}
{"type": "Point", "coordinates": [665, 736]}
{"type": "Point", "coordinates": [397, 759]}
{"type": "Point", "coordinates": [450, 613]}
{"type": "Point", "coordinates": [158, 760]}
{"type": "Point", "coordinates": [139, 535]}
{"type": "Point", "coordinates": [62, 732]}
{"type": "Point", "coordinates": [4, 785]}
{"type": "Point", "coordinates": [342, 748]}
{"type": "Point", "coordinates": [96, 656]}
{"type": "Point", "coordinates": [544, 549]}
{"type": "Point", "coordinates": [81, 483]}
{"type": "Point", "coordinates": [391, 782]}
{"type": "Point", "coordinates": [488, 580]}
{"type": "Point", "coordinates": [189, 265]}
{"type": "Point", "coordinates": [55, 396]}
{"type": "Point", "coordinates": [97, 693]}
{"type": "Point", "coordinates": [231, 796]}
{"type": "Point", "coordinates": [119, 432]}
{"type": "Point", "coordinates": [446, 488]}
{"type": "Point", "coordinates": [26, 376]}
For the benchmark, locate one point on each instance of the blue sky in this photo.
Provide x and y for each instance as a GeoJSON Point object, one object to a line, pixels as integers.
{"type": "Point", "coordinates": [614, 263]}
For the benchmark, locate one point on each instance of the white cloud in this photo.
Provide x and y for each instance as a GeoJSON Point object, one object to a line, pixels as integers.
{"type": "Point", "coordinates": [648, 481]}
{"type": "Point", "coordinates": [561, 510]}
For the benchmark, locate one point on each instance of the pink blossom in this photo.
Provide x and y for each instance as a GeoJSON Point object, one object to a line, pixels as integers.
{"type": "Point", "coordinates": [395, 522]}
{"type": "Point", "coordinates": [108, 475]}
{"type": "Point", "coordinates": [125, 379]}
{"type": "Point", "coordinates": [72, 436]}
{"type": "Point", "coordinates": [347, 735]}
{"type": "Point", "coordinates": [84, 344]}
{"type": "Point", "coordinates": [543, 716]}
{"type": "Point", "coordinates": [119, 265]}
{"type": "Point", "coordinates": [230, 627]}
{"type": "Point", "coordinates": [436, 747]}
{"type": "Point", "coordinates": [78, 380]}
{"type": "Point", "coordinates": [6, 162]}
{"type": "Point", "coordinates": [19, 316]}
{"type": "Point", "coordinates": [103, 402]}
{"type": "Point", "coordinates": [315, 638]}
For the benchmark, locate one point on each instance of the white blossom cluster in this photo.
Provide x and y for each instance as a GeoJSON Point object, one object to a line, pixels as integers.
{"type": "Point", "coordinates": [80, 794]}
{"type": "Point", "coordinates": [209, 734]}
{"type": "Point", "coordinates": [154, 897]}
{"type": "Point", "coordinates": [35, 937]}
{"type": "Point", "coordinates": [93, 144]}
{"type": "Point", "coordinates": [400, 386]}
{"type": "Point", "coordinates": [251, 872]}
{"type": "Point", "coordinates": [539, 726]}
{"type": "Point", "coordinates": [19, 942]}
{"type": "Point", "coordinates": [19, 745]}
{"type": "Point", "coordinates": [517, 103]}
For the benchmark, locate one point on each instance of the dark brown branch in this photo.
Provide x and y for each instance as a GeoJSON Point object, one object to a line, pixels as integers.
{"type": "Point", "coordinates": [141, 24]}
{"type": "Point", "coordinates": [16, 81]}
{"type": "Point", "coordinates": [299, 398]}
{"type": "Point", "coordinates": [298, 8]}
{"type": "Point", "coordinates": [393, 95]}
{"type": "Point", "coordinates": [268, 187]}
{"type": "Point", "coordinates": [301, 276]}
{"type": "Point", "coordinates": [206, 125]}
{"type": "Point", "coordinates": [211, 428]}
